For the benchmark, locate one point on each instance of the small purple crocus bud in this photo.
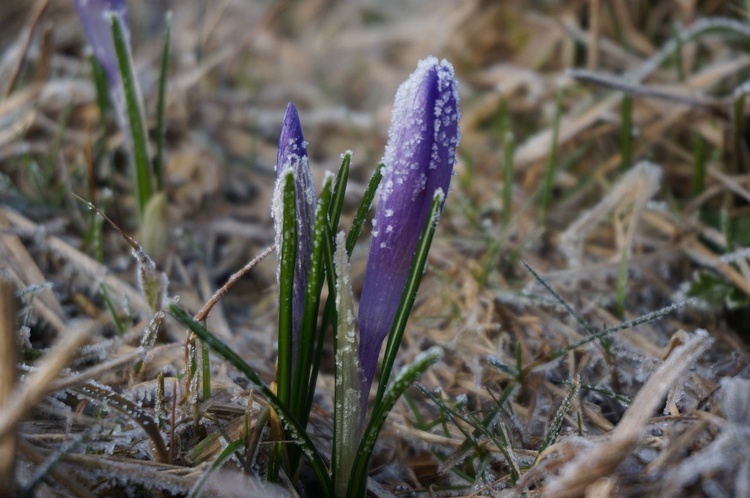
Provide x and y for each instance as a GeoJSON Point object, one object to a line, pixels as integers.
{"type": "Point", "coordinates": [419, 160]}
{"type": "Point", "coordinates": [95, 17]}
{"type": "Point", "coordinates": [292, 156]}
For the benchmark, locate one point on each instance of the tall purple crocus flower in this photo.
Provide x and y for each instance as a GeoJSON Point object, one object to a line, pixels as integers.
{"type": "Point", "coordinates": [95, 18]}
{"type": "Point", "coordinates": [292, 156]}
{"type": "Point", "coordinates": [419, 160]}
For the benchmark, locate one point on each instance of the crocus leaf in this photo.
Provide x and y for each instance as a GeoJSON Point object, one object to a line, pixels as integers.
{"type": "Point", "coordinates": [315, 280]}
{"type": "Point", "coordinates": [339, 189]}
{"type": "Point", "coordinates": [408, 296]}
{"type": "Point", "coordinates": [162, 104]}
{"type": "Point", "coordinates": [288, 243]}
{"type": "Point", "coordinates": [134, 109]}
{"type": "Point", "coordinates": [364, 208]}
{"type": "Point", "coordinates": [408, 375]}
{"type": "Point", "coordinates": [293, 428]}
{"type": "Point", "coordinates": [349, 379]}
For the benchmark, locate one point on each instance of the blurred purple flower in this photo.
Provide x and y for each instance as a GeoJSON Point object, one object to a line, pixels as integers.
{"type": "Point", "coordinates": [95, 18]}
{"type": "Point", "coordinates": [293, 155]}
{"type": "Point", "coordinates": [419, 160]}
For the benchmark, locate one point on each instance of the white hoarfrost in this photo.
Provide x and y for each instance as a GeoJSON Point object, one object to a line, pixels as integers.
{"type": "Point", "coordinates": [277, 212]}
{"type": "Point", "coordinates": [347, 413]}
{"type": "Point", "coordinates": [399, 157]}
{"type": "Point", "coordinates": [629, 197]}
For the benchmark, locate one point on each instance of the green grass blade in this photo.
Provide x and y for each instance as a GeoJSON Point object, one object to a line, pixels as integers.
{"type": "Point", "coordinates": [593, 333]}
{"type": "Point", "coordinates": [453, 416]}
{"type": "Point", "coordinates": [101, 85]}
{"type": "Point", "coordinates": [116, 320]}
{"type": "Point", "coordinates": [457, 455]}
{"type": "Point", "coordinates": [549, 173]}
{"type": "Point", "coordinates": [509, 147]}
{"type": "Point", "coordinates": [358, 480]}
{"type": "Point", "coordinates": [648, 317]}
{"type": "Point", "coordinates": [351, 240]}
{"type": "Point", "coordinates": [495, 242]}
{"type": "Point", "coordinates": [419, 261]}
{"type": "Point", "coordinates": [710, 25]}
{"type": "Point", "coordinates": [364, 207]}
{"type": "Point", "coordinates": [557, 420]}
{"type": "Point", "coordinates": [306, 345]}
{"type": "Point", "coordinates": [205, 372]}
{"type": "Point", "coordinates": [308, 355]}
{"type": "Point", "coordinates": [286, 283]}
{"type": "Point", "coordinates": [569, 309]}
{"type": "Point", "coordinates": [479, 428]}
{"type": "Point", "coordinates": [339, 190]}
{"type": "Point", "coordinates": [622, 283]}
{"type": "Point", "coordinates": [329, 314]}
{"type": "Point", "coordinates": [295, 431]}
{"type": "Point", "coordinates": [161, 104]}
{"type": "Point", "coordinates": [135, 117]}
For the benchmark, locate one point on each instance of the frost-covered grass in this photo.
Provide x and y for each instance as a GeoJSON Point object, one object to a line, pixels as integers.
{"type": "Point", "coordinates": [588, 281]}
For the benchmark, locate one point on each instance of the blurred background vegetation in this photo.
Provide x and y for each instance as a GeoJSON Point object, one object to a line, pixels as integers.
{"type": "Point", "coordinates": [604, 143]}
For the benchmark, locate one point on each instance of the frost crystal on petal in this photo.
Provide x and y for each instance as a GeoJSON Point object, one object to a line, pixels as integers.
{"type": "Point", "coordinates": [419, 160]}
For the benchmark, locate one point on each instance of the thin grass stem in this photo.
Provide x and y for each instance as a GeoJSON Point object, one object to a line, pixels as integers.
{"type": "Point", "coordinates": [549, 172]}
{"type": "Point", "coordinates": [554, 429]}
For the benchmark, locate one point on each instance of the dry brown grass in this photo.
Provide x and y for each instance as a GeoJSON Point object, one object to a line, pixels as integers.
{"type": "Point", "coordinates": [681, 424]}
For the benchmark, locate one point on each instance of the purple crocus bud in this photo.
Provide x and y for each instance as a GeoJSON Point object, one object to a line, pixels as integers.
{"type": "Point", "coordinates": [293, 156]}
{"type": "Point", "coordinates": [419, 160]}
{"type": "Point", "coordinates": [95, 17]}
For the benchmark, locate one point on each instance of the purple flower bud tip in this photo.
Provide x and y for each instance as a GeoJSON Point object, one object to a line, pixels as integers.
{"type": "Point", "coordinates": [95, 15]}
{"type": "Point", "coordinates": [292, 156]}
{"type": "Point", "coordinates": [419, 160]}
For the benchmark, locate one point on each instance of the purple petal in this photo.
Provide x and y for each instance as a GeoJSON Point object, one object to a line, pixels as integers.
{"type": "Point", "coordinates": [293, 155]}
{"type": "Point", "coordinates": [419, 160]}
{"type": "Point", "coordinates": [95, 15]}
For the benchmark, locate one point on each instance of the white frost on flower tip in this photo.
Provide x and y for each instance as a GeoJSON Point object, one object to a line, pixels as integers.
{"type": "Point", "coordinates": [444, 114]}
